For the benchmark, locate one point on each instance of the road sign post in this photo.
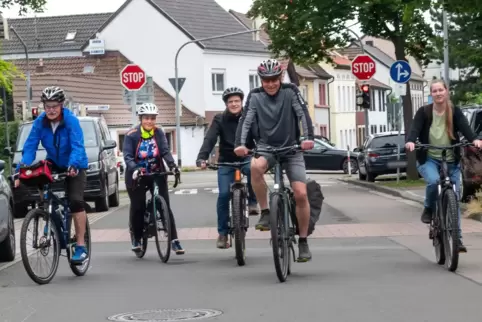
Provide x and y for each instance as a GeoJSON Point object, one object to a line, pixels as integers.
{"type": "Point", "coordinates": [133, 78]}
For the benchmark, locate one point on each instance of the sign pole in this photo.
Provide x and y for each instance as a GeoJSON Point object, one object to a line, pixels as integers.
{"type": "Point", "coordinates": [134, 107]}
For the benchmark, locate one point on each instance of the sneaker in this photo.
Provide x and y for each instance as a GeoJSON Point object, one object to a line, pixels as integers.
{"type": "Point", "coordinates": [80, 255]}
{"type": "Point", "coordinates": [176, 247]}
{"type": "Point", "coordinates": [462, 248]}
{"type": "Point", "coordinates": [304, 254]}
{"type": "Point", "coordinates": [222, 242]}
{"type": "Point", "coordinates": [426, 217]}
{"type": "Point", "coordinates": [263, 223]}
{"type": "Point", "coordinates": [253, 210]}
{"type": "Point", "coordinates": [136, 246]}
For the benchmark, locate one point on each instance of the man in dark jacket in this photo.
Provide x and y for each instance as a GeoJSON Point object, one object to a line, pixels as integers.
{"type": "Point", "coordinates": [224, 126]}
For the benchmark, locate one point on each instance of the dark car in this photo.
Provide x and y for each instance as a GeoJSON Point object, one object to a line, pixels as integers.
{"type": "Point", "coordinates": [7, 226]}
{"type": "Point", "coordinates": [377, 151]}
{"type": "Point", "coordinates": [471, 162]}
{"type": "Point", "coordinates": [324, 139]}
{"type": "Point", "coordinates": [102, 174]}
{"type": "Point", "coordinates": [326, 157]}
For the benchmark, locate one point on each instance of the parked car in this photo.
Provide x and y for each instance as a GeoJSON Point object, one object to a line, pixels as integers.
{"type": "Point", "coordinates": [471, 161]}
{"type": "Point", "coordinates": [7, 226]}
{"type": "Point", "coordinates": [326, 157]}
{"type": "Point", "coordinates": [375, 153]}
{"type": "Point", "coordinates": [324, 139]}
{"type": "Point", "coordinates": [102, 174]}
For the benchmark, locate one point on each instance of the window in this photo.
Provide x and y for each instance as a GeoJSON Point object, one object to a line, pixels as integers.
{"type": "Point", "coordinates": [304, 92]}
{"type": "Point", "coordinates": [381, 128]}
{"type": "Point", "coordinates": [254, 81]}
{"type": "Point", "coordinates": [346, 138]}
{"type": "Point", "coordinates": [373, 129]}
{"type": "Point", "coordinates": [121, 141]}
{"type": "Point", "coordinates": [217, 78]}
{"type": "Point", "coordinates": [380, 104]}
{"type": "Point", "coordinates": [169, 140]}
{"type": "Point", "coordinates": [338, 103]}
{"type": "Point", "coordinates": [388, 141]}
{"type": "Point", "coordinates": [70, 35]}
{"type": "Point", "coordinates": [324, 130]}
{"type": "Point", "coordinates": [322, 94]}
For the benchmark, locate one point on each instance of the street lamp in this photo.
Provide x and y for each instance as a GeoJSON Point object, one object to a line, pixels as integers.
{"type": "Point", "coordinates": [176, 80]}
{"type": "Point", "coordinates": [28, 67]}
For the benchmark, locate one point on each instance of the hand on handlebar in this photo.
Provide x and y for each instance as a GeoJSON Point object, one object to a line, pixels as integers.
{"type": "Point", "coordinates": [477, 144]}
{"type": "Point", "coordinates": [307, 145]}
{"type": "Point", "coordinates": [201, 164]}
{"type": "Point", "coordinates": [137, 173]}
{"type": "Point", "coordinates": [241, 151]}
{"type": "Point", "coordinates": [410, 146]}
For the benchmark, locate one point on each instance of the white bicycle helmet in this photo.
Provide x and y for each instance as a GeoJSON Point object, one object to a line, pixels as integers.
{"type": "Point", "coordinates": [148, 109]}
{"type": "Point", "coordinates": [53, 93]}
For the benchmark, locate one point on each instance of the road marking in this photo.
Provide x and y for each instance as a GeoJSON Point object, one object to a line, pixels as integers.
{"type": "Point", "coordinates": [186, 192]}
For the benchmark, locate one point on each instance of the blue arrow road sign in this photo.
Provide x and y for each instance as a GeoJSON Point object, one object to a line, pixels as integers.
{"type": "Point", "coordinates": [400, 71]}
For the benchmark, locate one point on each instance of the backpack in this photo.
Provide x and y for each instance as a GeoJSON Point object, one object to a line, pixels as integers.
{"type": "Point", "coordinates": [315, 198]}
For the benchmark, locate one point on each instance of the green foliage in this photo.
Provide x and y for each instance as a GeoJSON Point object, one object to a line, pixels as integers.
{"type": "Point", "coordinates": [13, 132]}
{"type": "Point", "coordinates": [24, 5]}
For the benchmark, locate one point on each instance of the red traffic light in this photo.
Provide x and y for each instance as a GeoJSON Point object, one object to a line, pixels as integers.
{"type": "Point", "coordinates": [34, 111]}
{"type": "Point", "coordinates": [365, 88]}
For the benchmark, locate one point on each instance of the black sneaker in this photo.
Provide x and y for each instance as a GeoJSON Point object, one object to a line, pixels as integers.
{"type": "Point", "coordinates": [304, 254]}
{"type": "Point", "coordinates": [263, 223]}
{"type": "Point", "coordinates": [462, 248]}
{"type": "Point", "coordinates": [426, 216]}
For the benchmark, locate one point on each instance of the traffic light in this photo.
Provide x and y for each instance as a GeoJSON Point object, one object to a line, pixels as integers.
{"type": "Point", "coordinates": [363, 96]}
{"type": "Point", "coordinates": [3, 28]}
{"type": "Point", "coordinates": [34, 113]}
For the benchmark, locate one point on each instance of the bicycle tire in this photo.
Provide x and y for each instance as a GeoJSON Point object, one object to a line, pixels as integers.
{"type": "Point", "coordinates": [438, 241]}
{"type": "Point", "coordinates": [239, 231]}
{"type": "Point", "coordinates": [451, 230]}
{"type": "Point", "coordinates": [81, 270]}
{"type": "Point", "coordinates": [33, 214]}
{"type": "Point", "coordinates": [278, 238]}
{"type": "Point", "coordinates": [163, 210]}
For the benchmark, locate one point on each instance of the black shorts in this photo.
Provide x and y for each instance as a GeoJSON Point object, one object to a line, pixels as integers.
{"type": "Point", "coordinates": [76, 186]}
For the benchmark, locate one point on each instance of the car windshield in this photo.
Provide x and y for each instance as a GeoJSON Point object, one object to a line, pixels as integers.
{"type": "Point", "coordinates": [387, 141]}
{"type": "Point", "coordinates": [322, 144]}
{"type": "Point", "coordinates": [90, 138]}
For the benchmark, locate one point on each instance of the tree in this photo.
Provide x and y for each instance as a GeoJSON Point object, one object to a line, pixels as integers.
{"type": "Point", "coordinates": [35, 5]}
{"type": "Point", "coordinates": [306, 30]}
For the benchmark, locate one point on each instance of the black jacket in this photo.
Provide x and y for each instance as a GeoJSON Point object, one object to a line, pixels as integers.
{"type": "Point", "coordinates": [421, 130]}
{"type": "Point", "coordinates": [224, 126]}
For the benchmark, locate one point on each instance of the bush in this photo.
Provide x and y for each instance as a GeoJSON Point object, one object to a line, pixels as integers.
{"type": "Point", "coordinates": [474, 206]}
{"type": "Point", "coordinates": [13, 132]}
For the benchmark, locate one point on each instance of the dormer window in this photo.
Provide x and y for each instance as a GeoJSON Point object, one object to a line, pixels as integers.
{"type": "Point", "coordinates": [71, 35]}
{"type": "Point", "coordinates": [89, 69]}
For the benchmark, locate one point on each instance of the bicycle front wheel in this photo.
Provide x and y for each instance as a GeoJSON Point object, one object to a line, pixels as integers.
{"type": "Point", "coordinates": [451, 230]}
{"type": "Point", "coordinates": [239, 231]}
{"type": "Point", "coordinates": [279, 237]}
{"type": "Point", "coordinates": [36, 223]}
{"type": "Point", "coordinates": [162, 225]}
{"type": "Point", "coordinates": [80, 270]}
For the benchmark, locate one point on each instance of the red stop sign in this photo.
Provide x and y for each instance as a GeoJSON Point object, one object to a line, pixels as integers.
{"type": "Point", "coordinates": [363, 67]}
{"type": "Point", "coordinates": [133, 77]}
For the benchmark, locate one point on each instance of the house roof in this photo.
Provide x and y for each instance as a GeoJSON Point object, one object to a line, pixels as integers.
{"type": "Point", "coordinates": [305, 72]}
{"type": "Point", "coordinates": [342, 62]}
{"type": "Point", "coordinates": [51, 32]}
{"type": "Point", "coordinates": [242, 18]}
{"type": "Point", "coordinates": [374, 83]}
{"type": "Point", "coordinates": [355, 49]}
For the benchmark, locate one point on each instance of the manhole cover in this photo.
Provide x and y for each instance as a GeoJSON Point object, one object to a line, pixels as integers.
{"type": "Point", "coordinates": [166, 315]}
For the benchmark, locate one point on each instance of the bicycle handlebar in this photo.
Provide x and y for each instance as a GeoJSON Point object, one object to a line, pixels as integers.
{"type": "Point", "coordinates": [420, 146]}
{"type": "Point", "coordinates": [236, 165]}
{"type": "Point", "coordinates": [277, 151]}
{"type": "Point", "coordinates": [177, 176]}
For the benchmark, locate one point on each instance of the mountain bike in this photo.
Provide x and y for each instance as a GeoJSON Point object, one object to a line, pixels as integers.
{"type": "Point", "coordinates": [238, 215]}
{"type": "Point", "coordinates": [56, 235]}
{"type": "Point", "coordinates": [282, 214]}
{"type": "Point", "coordinates": [444, 228]}
{"type": "Point", "coordinates": [157, 222]}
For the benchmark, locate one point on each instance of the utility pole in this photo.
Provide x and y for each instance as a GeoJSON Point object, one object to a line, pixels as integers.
{"type": "Point", "coordinates": [29, 96]}
{"type": "Point", "coordinates": [446, 48]}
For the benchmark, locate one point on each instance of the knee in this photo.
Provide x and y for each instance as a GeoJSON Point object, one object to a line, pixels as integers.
{"type": "Point", "coordinates": [77, 206]}
{"type": "Point", "coordinates": [258, 168]}
{"type": "Point", "coordinates": [301, 196]}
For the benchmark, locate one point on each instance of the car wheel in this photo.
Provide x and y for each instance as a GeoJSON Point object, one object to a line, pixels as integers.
{"type": "Point", "coordinates": [370, 177]}
{"type": "Point", "coordinates": [114, 198]}
{"type": "Point", "coordinates": [102, 203]}
{"type": "Point", "coordinates": [353, 164]}
{"type": "Point", "coordinates": [7, 247]}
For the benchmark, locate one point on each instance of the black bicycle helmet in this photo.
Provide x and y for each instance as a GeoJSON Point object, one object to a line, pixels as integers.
{"type": "Point", "coordinates": [232, 91]}
{"type": "Point", "coordinates": [269, 68]}
{"type": "Point", "coordinates": [53, 93]}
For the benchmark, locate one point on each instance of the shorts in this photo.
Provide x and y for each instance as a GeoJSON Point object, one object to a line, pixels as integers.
{"type": "Point", "coordinates": [293, 164]}
{"type": "Point", "coordinates": [75, 187]}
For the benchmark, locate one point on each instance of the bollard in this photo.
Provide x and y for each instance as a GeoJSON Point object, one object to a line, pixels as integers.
{"type": "Point", "coordinates": [349, 161]}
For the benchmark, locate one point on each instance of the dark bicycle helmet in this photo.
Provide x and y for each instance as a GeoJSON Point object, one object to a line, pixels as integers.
{"type": "Point", "coordinates": [53, 93]}
{"type": "Point", "coordinates": [269, 68]}
{"type": "Point", "coordinates": [232, 91]}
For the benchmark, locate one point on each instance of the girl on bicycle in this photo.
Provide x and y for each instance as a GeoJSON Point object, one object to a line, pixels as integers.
{"type": "Point", "coordinates": [145, 147]}
{"type": "Point", "coordinates": [439, 124]}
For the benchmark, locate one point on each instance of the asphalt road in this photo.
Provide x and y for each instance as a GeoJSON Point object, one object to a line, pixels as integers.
{"type": "Point", "coordinates": [358, 273]}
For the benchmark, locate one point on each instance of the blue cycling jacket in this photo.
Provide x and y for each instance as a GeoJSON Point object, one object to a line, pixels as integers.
{"type": "Point", "coordinates": [65, 147]}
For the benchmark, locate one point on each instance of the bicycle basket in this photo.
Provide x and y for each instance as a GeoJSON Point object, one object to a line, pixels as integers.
{"type": "Point", "coordinates": [37, 174]}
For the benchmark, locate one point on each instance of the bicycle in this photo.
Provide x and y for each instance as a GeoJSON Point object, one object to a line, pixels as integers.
{"type": "Point", "coordinates": [54, 210]}
{"type": "Point", "coordinates": [156, 226]}
{"type": "Point", "coordinates": [283, 222]}
{"type": "Point", "coordinates": [444, 228]}
{"type": "Point", "coordinates": [238, 215]}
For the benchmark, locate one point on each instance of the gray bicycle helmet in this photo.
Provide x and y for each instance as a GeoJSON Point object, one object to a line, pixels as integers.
{"type": "Point", "coordinates": [53, 93]}
{"type": "Point", "coordinates": [269, 68]}
{"type": "Point", "coordinates": [232, 91]}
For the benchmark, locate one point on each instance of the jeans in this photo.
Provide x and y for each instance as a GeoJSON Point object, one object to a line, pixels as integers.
{"type": "Point", "coordinates": [430, 171]}
{"type": "Point", "coordinates": [225, 179]}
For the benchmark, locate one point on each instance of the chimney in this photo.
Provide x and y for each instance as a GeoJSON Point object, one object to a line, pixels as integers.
{"type": "Point", "coordinates": [40, 67]}
{"type": "Point", "coordinates": [255, 34]}
{"type": "Point", "coordinates": [369, 43]}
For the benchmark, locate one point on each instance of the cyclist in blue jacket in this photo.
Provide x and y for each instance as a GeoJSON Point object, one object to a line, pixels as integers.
{"type": "Point", "coordinates": [59, 131]}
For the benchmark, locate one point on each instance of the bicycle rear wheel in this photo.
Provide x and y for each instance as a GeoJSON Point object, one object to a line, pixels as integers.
{"type": "Point", "coordinates": [162, 225]}
{"type": "Point", "coordinates": [238, 210]}
{"type": "Point", "coordinates": [279, 237]}
{"type": "Point", "coordinates": [451, 230]}
{"type": "Point", "coordinates": [41, 245]}
{"type": "Point", "coordinates": [80, 270]}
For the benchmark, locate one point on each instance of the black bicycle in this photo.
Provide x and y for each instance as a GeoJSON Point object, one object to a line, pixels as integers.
{"type": "Point", "coordinates": [56, 234]}
{"type": "Point", "coordinates": [238, 215]}
{"type": "Point", "coordinates": [157, 222]}
{"type": "Point", "coordinates": [283, 222]}
{"type": "Point", "coordinates": [444, 228]}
